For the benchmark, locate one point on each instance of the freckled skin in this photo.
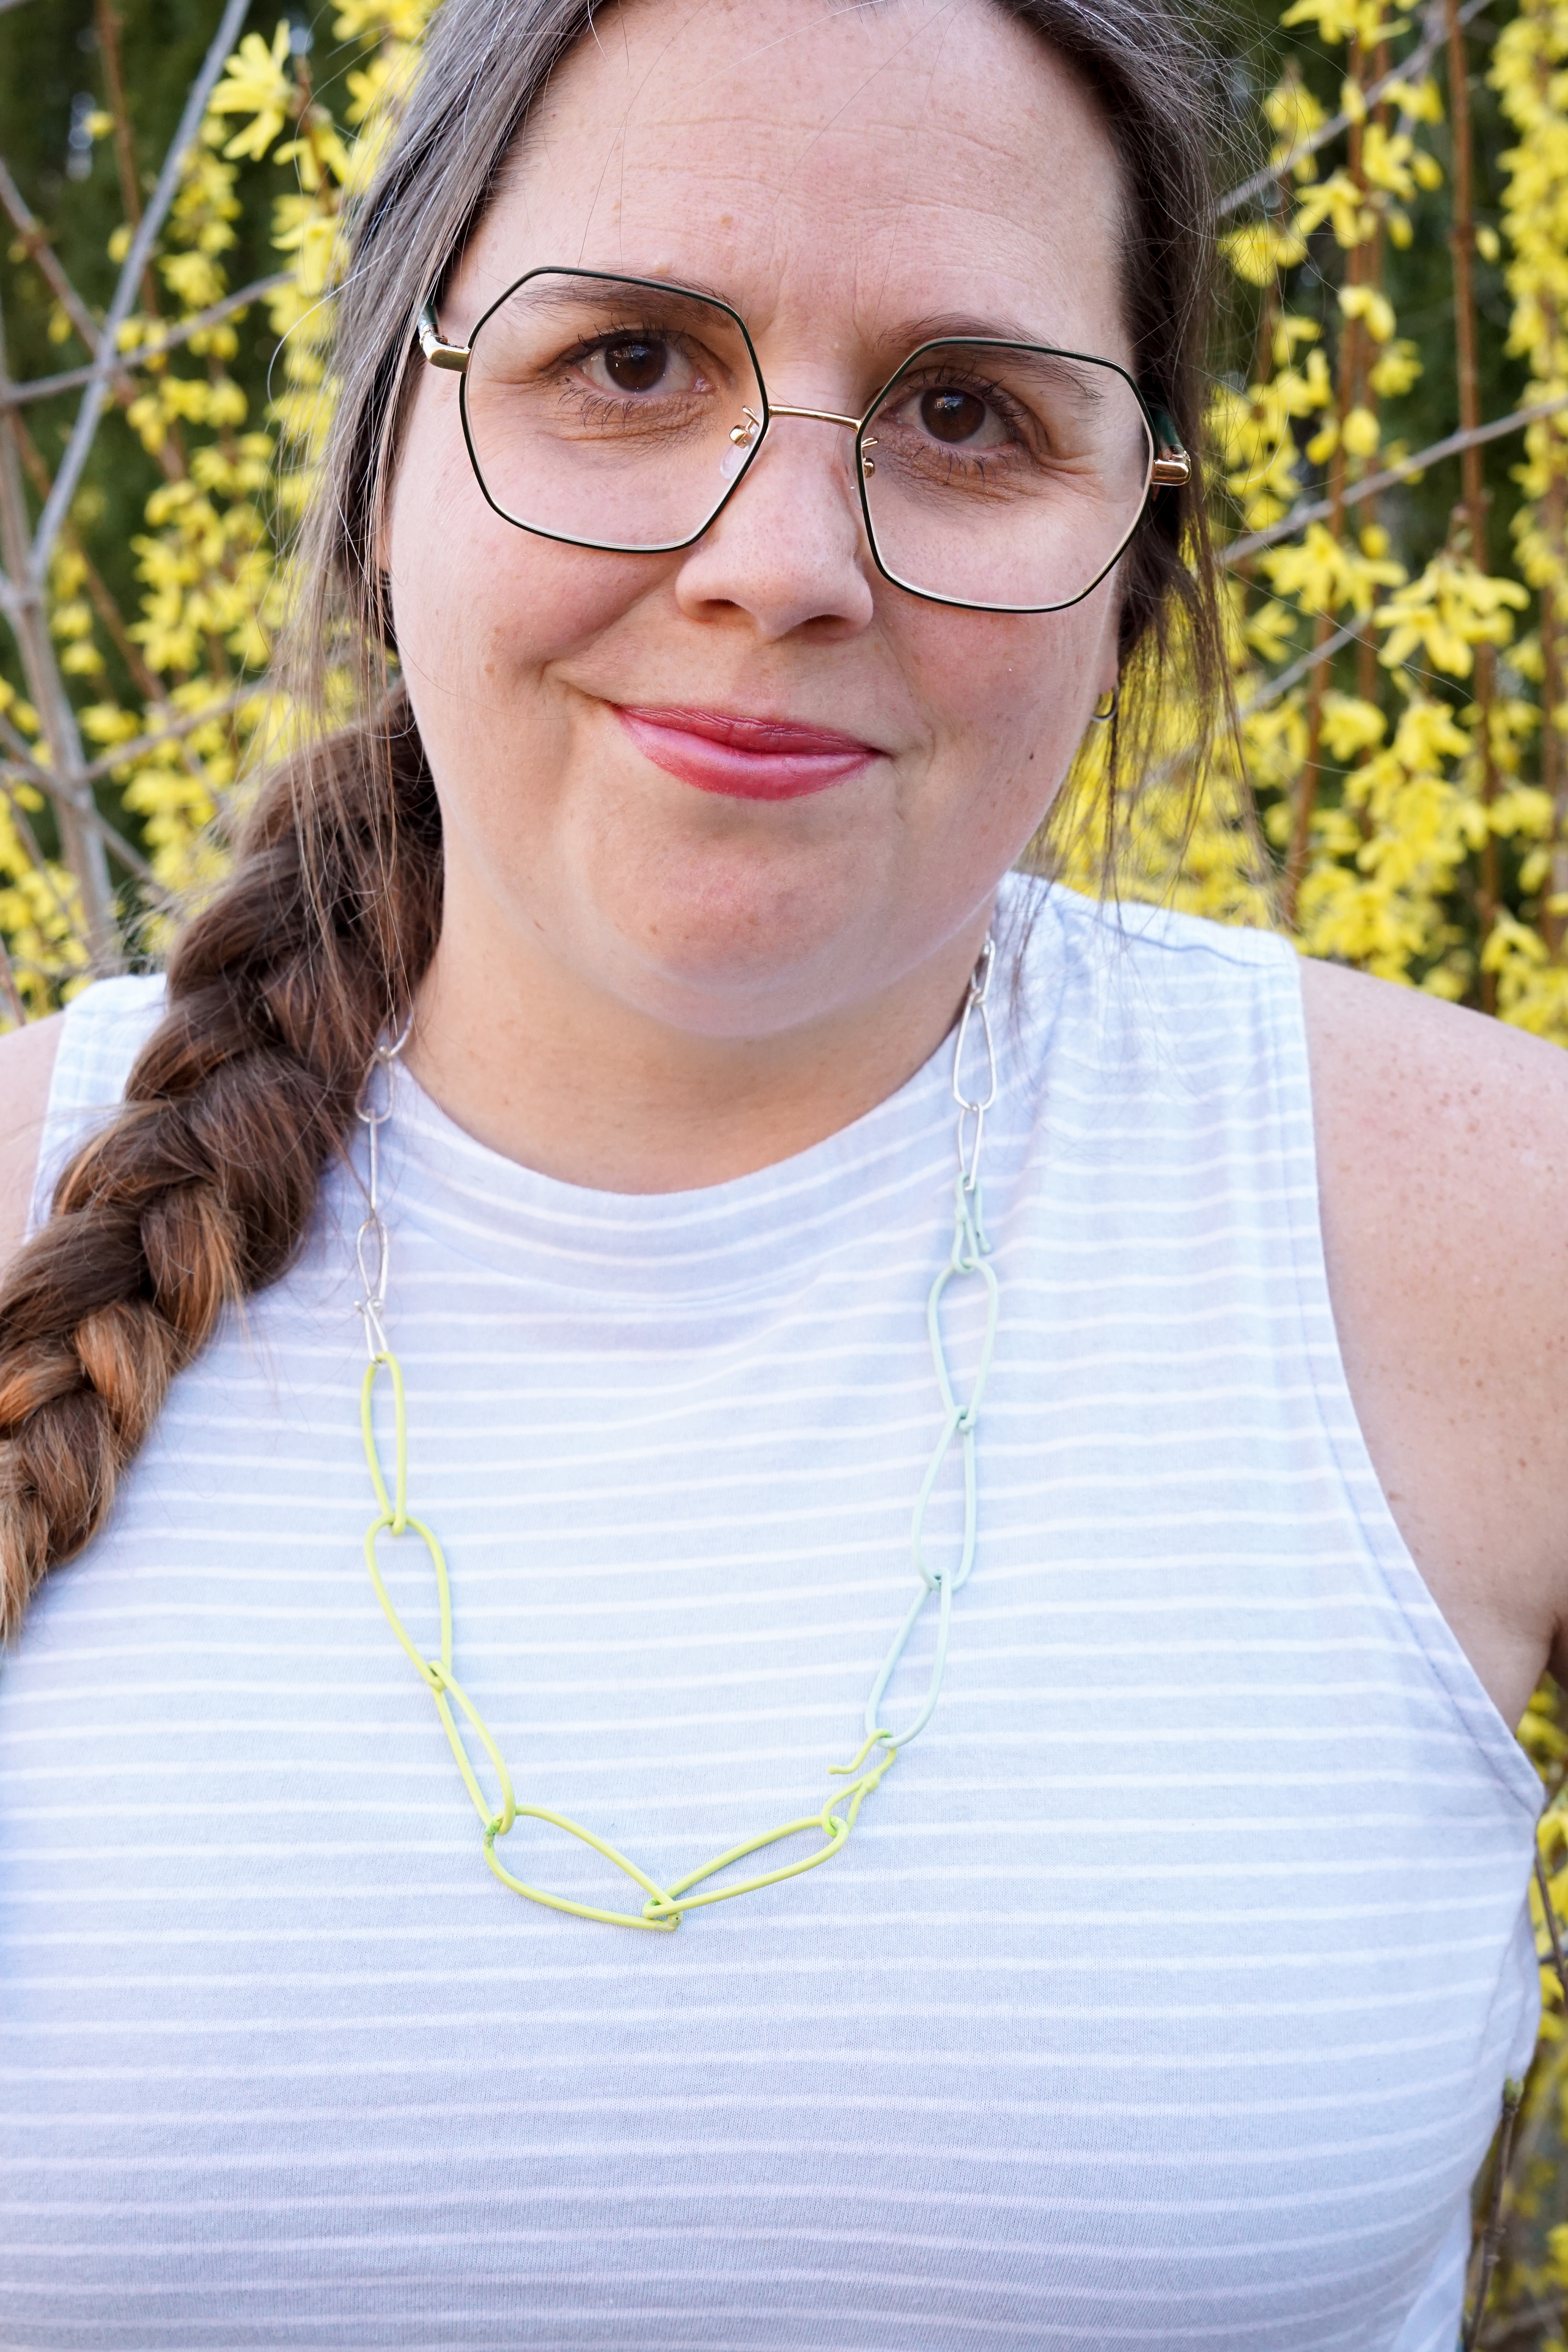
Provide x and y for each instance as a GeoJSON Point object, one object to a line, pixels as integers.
{"type": "Point", "coordinates": [643, 987]}
{"type": "Point", "coordinates": [1443, 1145]}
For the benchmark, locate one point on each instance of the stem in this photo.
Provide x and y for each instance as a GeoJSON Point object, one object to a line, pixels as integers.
{"type": "Point", "coordinates": [1553, 778]}
{"type": "Point", "coordinates": [44, 387]}
{"type": "Point", "coordinates": [1462, 241]}
{"type": "Point", "coordinates": [1314, 510]}
{"type": "Point", "coordinates": [186, 133]}
{"type": "Point", "coordinates": [1410, 68]}
{"type": "Point", "coordinates": [103, 603]}
{"type": "Point", "coordinates": [35, 241]}
{"type": "Point", "coordinates": [9, 989]}
{"type": "Point", "coordinates": [1491, 2239]}
{"type": "Point", "coordinates": [1348, 369]}
{"type": "Point", "coordinates": [1312, 771]}
{"type": "Point", "coordinates": [81, 842]}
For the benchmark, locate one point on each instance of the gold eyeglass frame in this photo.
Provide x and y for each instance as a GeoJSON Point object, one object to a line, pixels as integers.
{"type": "Point", "coordinates": [1170, 467]}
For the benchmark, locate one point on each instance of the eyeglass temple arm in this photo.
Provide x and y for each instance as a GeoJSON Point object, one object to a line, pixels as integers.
{"type": "Point", "coordinates": [1172, 465]}
{"type": "Point", "coordinates": [439, 354]}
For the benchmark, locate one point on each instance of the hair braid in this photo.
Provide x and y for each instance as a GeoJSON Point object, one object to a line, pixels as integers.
{"type": "Point", "coordinates": [199, 1190]}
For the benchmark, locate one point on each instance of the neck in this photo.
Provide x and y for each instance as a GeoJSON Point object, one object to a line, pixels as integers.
{"type": "Point", "coordinates": [541, 1065]}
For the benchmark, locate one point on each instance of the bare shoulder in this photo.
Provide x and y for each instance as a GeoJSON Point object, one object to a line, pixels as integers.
{"type": "Point", "coordinates": [1393, 1060]}
{"type": "Point", "coordinates": [26, 1065]}
{"type": "Point", "coordinates": [1442, 1160]}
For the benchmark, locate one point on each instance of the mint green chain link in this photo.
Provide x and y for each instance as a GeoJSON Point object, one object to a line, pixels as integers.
{"type": "Point", "coordinates": [968, 1259]}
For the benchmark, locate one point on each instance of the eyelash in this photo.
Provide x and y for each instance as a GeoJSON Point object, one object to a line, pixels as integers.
{"type": "Point", "coordinates": [598, 407]}
{"type": "Point", "coordinates": [995, 398]}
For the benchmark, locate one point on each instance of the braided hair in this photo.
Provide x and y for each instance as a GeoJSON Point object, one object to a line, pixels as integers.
{"type": "Point", "coordinates": [200, 1189]}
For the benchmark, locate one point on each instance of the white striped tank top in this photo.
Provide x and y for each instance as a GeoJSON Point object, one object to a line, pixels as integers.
{"type": "Point", "coordinates": [1162, 1997]}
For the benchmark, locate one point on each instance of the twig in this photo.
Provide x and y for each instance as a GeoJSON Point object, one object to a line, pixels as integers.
{"type": "Point", "coordinates": [9, 989]}
{"type": "Point", "coordinates": [1462, 244]}
{"type": "Point", "coordinates": [21, 752]}
{"type": "Point", "coordinates": [1536, 2315]}
{"type": "Point", "coordinates": [115, 842]}
{"type": "Point", "coordinates": [1300, 517]}
{"type": "Point", "coordinates": [186, 725]}
{"type": "Point", "coordinates": [1553, 1925]}
{"type": "Point", "coordinates": [1275, 686]}
{"type": "Point", "coordinates": [1269, 691]}
{"type": "Point", "coordinates": [40, 863]}
{"type": "Point", "coordinates": [44, 387]}
{"type": "Point", "coordinates": [1512, 2093]}
{"type": "Point", "coordinates": [35, 238]}
{"type": "Point", "coordinates": [72, 795]}
{"type": "Point", "coordinates": [1419, 58]}
{"type": "Point", "coordinates": [142, 244]}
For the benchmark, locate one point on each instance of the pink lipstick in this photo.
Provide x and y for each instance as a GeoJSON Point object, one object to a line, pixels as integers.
{"type": "Point", "coordinates": [747, 759]}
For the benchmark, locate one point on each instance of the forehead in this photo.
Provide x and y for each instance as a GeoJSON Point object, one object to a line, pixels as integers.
{"type": "Point", "coordinates": [834, 171]}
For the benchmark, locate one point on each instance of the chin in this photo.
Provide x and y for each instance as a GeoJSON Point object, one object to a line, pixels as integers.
{"type": "Point", "coordinates": [737, 944]}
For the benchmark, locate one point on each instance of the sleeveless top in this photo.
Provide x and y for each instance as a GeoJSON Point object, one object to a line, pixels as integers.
{"type": "Point", "coordinates": [1163, 1995]}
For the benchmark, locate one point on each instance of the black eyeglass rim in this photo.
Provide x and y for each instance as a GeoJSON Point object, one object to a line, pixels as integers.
{"type": "Point", "coordinates": [716, 302]}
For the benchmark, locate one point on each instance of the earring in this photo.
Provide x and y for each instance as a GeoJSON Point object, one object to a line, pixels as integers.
{"type": "Point", "coordinates": [1102, 717]}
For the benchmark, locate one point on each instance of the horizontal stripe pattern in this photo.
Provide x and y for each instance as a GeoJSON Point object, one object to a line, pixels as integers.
{"type": "Point", "coordinates": [1164, 1994]}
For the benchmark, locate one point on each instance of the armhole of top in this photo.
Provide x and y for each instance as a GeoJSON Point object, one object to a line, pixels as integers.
{"type": "Point", "coordinates": [1439, 1646]}
{"type": "Point", "coordinates": [104, 1030]}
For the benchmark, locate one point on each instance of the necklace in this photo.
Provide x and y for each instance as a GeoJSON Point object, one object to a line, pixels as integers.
{"type": "Point", "coordinates": [968, 1259]}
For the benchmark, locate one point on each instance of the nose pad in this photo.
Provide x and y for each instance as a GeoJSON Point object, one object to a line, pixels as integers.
{"type": "Point", "coordinates": [743, 437]}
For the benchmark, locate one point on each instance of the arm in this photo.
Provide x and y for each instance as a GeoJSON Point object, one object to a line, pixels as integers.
{"type": "Point", "coordinates": [26, 1063]}
{"type": "Point", "coordinates": [1443, 1160]}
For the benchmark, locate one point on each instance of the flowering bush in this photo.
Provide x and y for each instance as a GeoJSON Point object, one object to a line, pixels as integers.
{"type": "Point", "coordinates": [1396, 790]}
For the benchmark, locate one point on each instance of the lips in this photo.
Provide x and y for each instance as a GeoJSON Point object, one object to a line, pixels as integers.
{"type": "Point", "coordinates": [744, 759]}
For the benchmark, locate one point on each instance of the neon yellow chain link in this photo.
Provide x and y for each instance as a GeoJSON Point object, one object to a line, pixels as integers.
{"type": "Point", "coordinates": [665, 1904]}
{"type": "Point", "coordinates": [663, 1908]}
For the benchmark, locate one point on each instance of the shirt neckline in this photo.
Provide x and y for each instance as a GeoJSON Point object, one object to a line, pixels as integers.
{"type": "Point", "coordinates": [746, 1233]}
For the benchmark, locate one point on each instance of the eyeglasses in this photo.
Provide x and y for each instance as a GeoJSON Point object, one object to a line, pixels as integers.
{"type": "Point", "coordinates": [624, 413]}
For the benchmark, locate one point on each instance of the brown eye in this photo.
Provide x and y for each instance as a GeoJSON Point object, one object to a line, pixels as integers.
{"type": "Point", "coordinates": [952, 416]}
{"type": "Point", "coordinates": [637, 364]}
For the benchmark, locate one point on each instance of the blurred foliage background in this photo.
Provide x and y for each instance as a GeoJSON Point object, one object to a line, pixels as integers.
{"type": "Point", "coordinates": [173, 177]}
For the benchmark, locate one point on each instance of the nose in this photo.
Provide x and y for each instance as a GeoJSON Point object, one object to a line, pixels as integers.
{"type": "Point", "coordinates": [788, 549]}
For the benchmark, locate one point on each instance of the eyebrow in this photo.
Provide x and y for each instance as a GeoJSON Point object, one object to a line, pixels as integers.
{"type": "Point", "coordinates": [947, 326]}
{"type": "Point", "coordinates": [936, 326]}
{"type": "Point", "coordinates": [904, 337]}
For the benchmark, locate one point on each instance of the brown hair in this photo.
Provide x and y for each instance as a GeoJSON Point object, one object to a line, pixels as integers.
{"type": "Point", "coordinates": [200, 1189]}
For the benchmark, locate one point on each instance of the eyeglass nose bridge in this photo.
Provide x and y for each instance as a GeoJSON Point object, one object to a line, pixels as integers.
{"type": "Point", "coordinates": [743, 435]}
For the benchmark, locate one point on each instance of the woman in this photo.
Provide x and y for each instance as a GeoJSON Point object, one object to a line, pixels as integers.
{"type": "Point", "coordinates": [1162, 1990]}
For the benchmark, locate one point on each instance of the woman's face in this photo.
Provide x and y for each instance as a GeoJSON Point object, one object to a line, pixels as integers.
{"type": "Point", "coordinates": [843, 178]}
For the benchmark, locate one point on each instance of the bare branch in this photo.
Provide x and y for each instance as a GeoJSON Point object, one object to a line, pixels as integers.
{"type": "Point", "coordinates": [21, 752]}
{"type": "Point", "coordinates": [1416, 63]}
{"type": "Point", "coordinates": [106, 362]}
{"type": "Point", "coordinates": [1273, 687]}
{"type": "Point", "coordinates": [1491, 2237]}
{"type": "Point", "coordinates": [69, 788]}
{"type": "Point", "coordinates": [29, 841]}
{"type": "Point", "coordinates": [36, 238]}
{"type": "Point", "coordinates": [186, 724]}
{"type": "Point", "coordinates": [1300, 517]}
{"type": "Point", "coordinates": [9, 989]}
{"type": "Point", "coordinates": [119, 848]}
{"type": "Point", "coordinates": [44, 387]}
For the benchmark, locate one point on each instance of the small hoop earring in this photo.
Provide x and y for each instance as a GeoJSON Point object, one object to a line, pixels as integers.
{"type": "Point", "coordinates": [1102, 717]}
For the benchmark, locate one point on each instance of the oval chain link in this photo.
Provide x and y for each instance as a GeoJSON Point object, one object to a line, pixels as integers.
{"type": "Point", "coordinates": [968, 1259]}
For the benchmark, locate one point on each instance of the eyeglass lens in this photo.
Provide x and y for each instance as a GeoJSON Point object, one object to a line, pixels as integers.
{"type": "Point", "coordinates": [620, 415]}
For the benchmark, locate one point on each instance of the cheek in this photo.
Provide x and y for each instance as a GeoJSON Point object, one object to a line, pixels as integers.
{"type": "Point", "coordinates": [478, 604]}
{"type": "Point", "coordinates": [1010, 695]}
